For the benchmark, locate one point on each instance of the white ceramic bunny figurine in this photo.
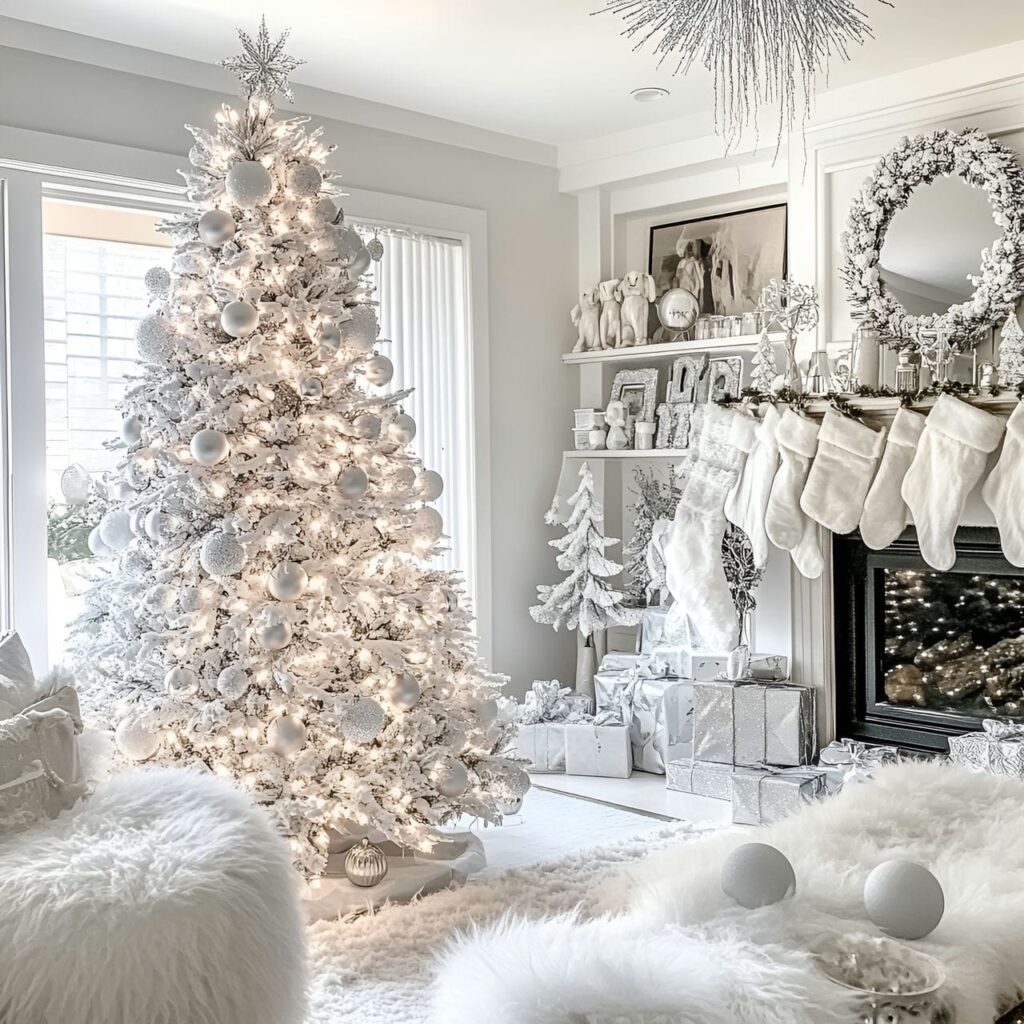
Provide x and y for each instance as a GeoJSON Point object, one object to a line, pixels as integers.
{"type": "Point", "coordinates": [611, 313]}
{"type": "Point", "coordinates": [637, 290]}
{"type": "Point", "coordinates": [586, 315]}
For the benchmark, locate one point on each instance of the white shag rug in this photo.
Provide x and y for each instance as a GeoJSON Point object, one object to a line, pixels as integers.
{"type": "Point", "coordinates": [673, 944]}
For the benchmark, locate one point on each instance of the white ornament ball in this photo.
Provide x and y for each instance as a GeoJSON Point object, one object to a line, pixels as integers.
{"type": "Point", "coordinates": [155, 337]}
{"type": "Point", "coordinates": [249, 184]}
{"type": "Point", "coordinates": [116, 529]}
{"type": "Point", "coordinates": [239, 319]}
{"type": "Point", "coordinates": [161, 597]}
{"type": "Point", "coordinates": [190, 599]}
{"type": "Point", "coordinates": [181, 682]}
{"type": "Point", "coordinates": [96, 545]}
{"type": "Point", "coordinates": [304, 179]}
{"type": "Point", "coordinates": [135, 564]}
{"type": "Point", "coordinates": [75, 484]}
{"type": "Point", "coordinates": [431, 485]}
{"type": "Point", "coordinates": [487, 711]}
{"type": "Point", "coordinates": [756, 875]}
{"type": "Point", "coordinates": [360, 262]}
{"type": "Point", "coordinates": [136, 741]}
{"type": "Point", "coordinates": [360, 333]}
{"type": "Point", "coordinates": [216, 227]}
{"type": "Point", "coordinates": [161, 527]}
{"type": "Point", "coordinates": [288, 581]}
{"type": "Point", "coordinates": [352, 482]}
{"type": "Point", "coordinates": [232, 682]}
{"type": "Point", "coordinates": [274, 636]}
{"type": "Point", "coordinates": [363, 722]}
{"type": "Point", "coordinates": [904, 899]}
{"type": "Point", "coordinates": [428, 523]}
{"type": "Point", "coordinates": [286, 735]}
{"type": "Point", "coordinates": [405, 691]}
{"type": "Point", "coordinates": [209, 447]}
{"type": "Point", "coordinates": [138, 522]}
{"type": "Point", "coordinates": [222, 555]}
{"type": "Point", "coordinates": [329, 337]}
{"type": "Point", "coordinates": [451, 779]}
{"type": "Point", "coordinates": [367, 425]}
{"type": "Point", "coordinates": [157, 281]}
{"type": "Point", "coordinates": [131, 430]}
{"type": "Point", "coordinates": [311, 388]}
{"type": "Point", "coordinates": [402, 429]}
{"type": "Point", "coordinates": [378, 370]}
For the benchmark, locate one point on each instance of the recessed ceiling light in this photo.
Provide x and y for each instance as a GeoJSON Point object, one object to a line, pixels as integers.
{"type": "Point", "coordinates": [649, 94]}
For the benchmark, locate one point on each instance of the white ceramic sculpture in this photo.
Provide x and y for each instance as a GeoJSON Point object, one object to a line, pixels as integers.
{"type": "Point", "coordinates": [586, 316]}
{"type": "Point", "coordinates": [615, 417]}
{"type": "Point", "coordinates": [637, 291]}
{"type": "Point", "coordinates": [611, 313]}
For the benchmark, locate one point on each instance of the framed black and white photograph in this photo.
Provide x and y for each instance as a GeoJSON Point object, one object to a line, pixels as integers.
{"type": "Point", "coordinates": [723, 261]}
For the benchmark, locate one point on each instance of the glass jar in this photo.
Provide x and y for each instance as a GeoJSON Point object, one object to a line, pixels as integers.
{"type": "Point", "coordinates": [718, 327]}
{"type": "Point", "coordinates": [703, 328]}
{"type": "Point", "coordinates": [751, 324]}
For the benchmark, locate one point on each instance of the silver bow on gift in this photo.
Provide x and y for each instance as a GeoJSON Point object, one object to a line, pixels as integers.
{"type": "Point", "coordinates": [549, 701]}
{"type": "Point", "coordinates": [853, 761]}
{"type": "Point", "coordinates": [618, 709]}
{"type": "Point", "coordinates": [1000, 730]}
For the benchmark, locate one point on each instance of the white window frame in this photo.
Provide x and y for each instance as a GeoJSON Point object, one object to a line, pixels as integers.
{"type": "Point", "coordinates": [36, 165]}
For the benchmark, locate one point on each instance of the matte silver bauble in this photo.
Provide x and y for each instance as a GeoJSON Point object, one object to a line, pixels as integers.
{"type": "Point", "coordinates": [135, 740]}
{"type": "Point", "coordinates": [239, 319]}
{"type": "Point", "coordinates": [304, 179]}
{"type": "Point", "coordinates": [329, 211]}
{"type": "Point", "coordinates": [428, 523]}
{"type": "Point", "coordinates": [161, 597]}
{"type": "Point", "coordinates": [288, 581]}
{"type": "Point", "coordinates": [157, 281]}
{"type": "Point", "coordinates": [161, 527]}
{"type": "Point", "coordinates": [431, 485]}
{"type": "Point", "coordinates": [286, 735]}
{"type": "Point", "coordinates": [222, 555]}
{"type": "Point", "coordinates": [216, 227]}
{"type": "Point", "coordinates": [347, 242]}
{"type": "Point", "coordinates": [904, 899]}
{"type": "Point", "coordinates": [181, 682]}
{"type": "Point", "coordinates": [311, 388]}
{"type": "Point", "coordinates": [96, 545]}
{"type": "Point", "coordinates": [360, 332]}
{"type": "Point", "coordinates": [329, 337]}
{"type": "Point", "coordinates": [403, 477]}
{"type": "Point", "coordinates": [75, 484]}
{"type": "Point", "coordinates": [352, 482]}
{"type": "Point", "coordinates": [451, 778]}
{"type": "Point", "coordinates": [131, 430]}
{"type": "Point", "coordinates": [155, 337]}
{"type": "Point", "coordinates": [405, 691]}
{"type": "Point", "coordinates": [375, 247]}
{"type": "Point", "coordinates": [249, 184]}
{"type": "Point", "coordinates": [274, 636]}
{"type": "Point", "coordinates": [367, 425]}
{"type": "Point", "coordinates": [116, 529]}
{"type": "Point", "coordinates": [209, 447]}
{"type": "Point", "coordinates": [365, 864]}
{"type": "Point", "coordinates": [363, 722]}
{"type": "Point", "coordinates": [402, 429]}
{"type": "Point", "coordinates": [378, 370]}
{"type": "Point", "coordinates": [233, 682]}
{"type": "Point", "coordinates": [756, 875]}
{"type": "Point", "coordinates": [360, 262]}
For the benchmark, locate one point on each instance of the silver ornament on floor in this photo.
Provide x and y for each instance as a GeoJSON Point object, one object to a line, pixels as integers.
{"type": "Point", "coordinates": [274, 636]}
{"type": "Point", "coordinates": [378, 370]}
{"type": "Point", "coordinates": [904, 899]}
{"type": "Point", "coordinates": [286, 735]}
{"type": "Point", "coordinates": [428, 524]}
{"type": "Point", "coordinates": [756, 875]}
{"type": "Point", "coordinates": [156, 339]}
{"type": "Point", "coordinates": [233, 682]}
{"type": "Point", "coordinates": [208, 447]}
{"type": "Point", "coordinates": [222, 555]}
{"type": "Point", "coordinates": [352, 482]}
{"type": "Point", "coordinates": [157, 281]}
{"type": "Point", "coordinates": [367, 425]}
{"type": "Point", "coordinates": [131, 430]}
{"type": "Point", "coordinates": [431, 485]}
{"type": "Point", "coordinates": [116, 529]}
{"type": "Point", "coordinates": [136, 740]}
{"type": "Point", "coordinates": [239, 319]}
{"type": "Point", "coordinates": [329, 338]}
{"type": "Point", "coordinates": [304, 179]}
{"type": "Point", "coordinates": [365, 864]}
{"type": "Point", "coordinates": [507, 807]}
{"type": "Point", "coordinates": [405, 691]}
{"type": "Point", "coordinates": [248, 184]}
{"type": "Point", "coordinates": [216, 227]}
{"type": "Point", "coordinates": [360, 332]}
{"type": "Point", "coordinates": [363, 722]}
{"type": "Point", "coordinates": [181, 682]}
{"type": "Point", "coordinates": [451, 778]}
{"type": "Point", "coordinates": [288, 581]}
{"type": "Point", "coordinates": [311, 388]}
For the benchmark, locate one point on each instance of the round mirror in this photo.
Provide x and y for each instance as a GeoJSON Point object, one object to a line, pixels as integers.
{"type": "Point", "coordinates": [933, 246]}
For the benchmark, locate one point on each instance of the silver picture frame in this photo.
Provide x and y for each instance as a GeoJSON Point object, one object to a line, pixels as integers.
{"type": "Point", "coordinates": [689, 380]}
{"type": "Point", "coordinates": [725, 378]}
{"type": "Point", "coordinates": [638, 391]}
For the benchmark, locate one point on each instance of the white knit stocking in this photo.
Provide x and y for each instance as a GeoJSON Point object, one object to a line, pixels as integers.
{"type": "Point", "coordinates": [787, 525]}
{"type": "Point", "coordinates": [885, 512]}
{"type": "Point", "coordinates": [1004, 490]}
{"type": "Point", "coordinates": [745, 507]}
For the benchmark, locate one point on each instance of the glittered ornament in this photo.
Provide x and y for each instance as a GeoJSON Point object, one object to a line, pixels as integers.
{"type": "Point", "coordinates": [248, 184]}
{"type": "Point", "coordinates": [405, 691]}
{"type": "Point", "coordinates": [75, 484]}
{"type": "Point", "coordinates": [402, 429]}
{"type": "Point", "coordinates": [304, 179]}
{"type": "Point", "coordinates": [431, 485]}
{"type": "Point", "coordinates": [329, 338]}
{"type": "Point", "coordinates": [367, 425]}
{"type": "Point", "coordinates": [161, 527]}
{"type": "Point", "coordinates": [363, 722]}
{"type": "Point", "coordinates": [352, 482]}
{"type": "Point", "coordinates": [451, 778]}
{"type": "Point", "coordinates": [757, 875]}
{"type": "Point", "coordinates": [904, 899]}
{"type": "Point", "coordinates": [375, 247]}
{"type": "Point", "coordinates": [116, 529]}
{"type": "Point", "coordinates": [156, 339]}
{"type": "Point", "coordinates": [161, 597]}
{"type": "Point", "coordinates": [157, 281]}
{"type": "Point", "coordinates": [286, 735]}
{"type": "Point", "coordinates": [232, 682]}
{"type": "Point", "coordinates": [216, 227]}
{"type": "Point", "coordinates": [428, 523]}
{"type": "Point", "coordinates": [311, 388]}
{"type": "Point", "coordinates": [360, 332]}
{"type": "Point", "coordinates": [378, 370]}
{"type": "Point", "coordinates": [239, 319]}
{"type": "Point", "coordinates": [135, 564]}
{"type": "Point", "coordinates": [222, 555]}
{"type": "Point", "coordinates": [181, 681]}
{"type": "Point", "coordinates": [274, 636]}
{"type": "Point", "coordinates": [131, 430]}
{"type": "Point", "coordinates": [209, 447]}
{"type": "Point", "coordinates": [288, 581]}
{"type": "Point", "coordinates": [365, 864]}
{"type": "Point", "coordinates": [96, 545]}
{"type": "Point", "coordinates": [136, 740]}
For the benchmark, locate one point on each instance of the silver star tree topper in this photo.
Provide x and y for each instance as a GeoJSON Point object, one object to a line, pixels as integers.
{"type": "Point", "coordinates": [263, 67]}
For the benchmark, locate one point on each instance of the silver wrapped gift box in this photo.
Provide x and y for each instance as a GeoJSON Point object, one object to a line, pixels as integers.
{"type": "Point", "coordinates": [602, 750]}
{"type": "Point", "coordinates": [542, 745]}
{"type": "Point", "coordinates": [998, 750]}
{"type": "Point", "coordinates": [846, 761]}
{"type": "Point", "coordinates": [701, 778]}
{"type": "Point", "coordinates": [659, 629]}
{"type": "Point", "coordinates": [762, 797]}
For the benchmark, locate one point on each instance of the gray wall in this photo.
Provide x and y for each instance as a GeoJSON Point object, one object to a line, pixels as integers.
{"type": "Point", "coordinates": [532, 271]}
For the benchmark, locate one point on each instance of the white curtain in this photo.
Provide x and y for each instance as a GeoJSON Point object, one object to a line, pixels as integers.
{"type": "Point", "coordinates": [422, 291]}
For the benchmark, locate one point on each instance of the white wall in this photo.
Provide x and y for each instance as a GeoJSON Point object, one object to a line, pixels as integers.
{"type": "Point", "coordinates": [531, 278]}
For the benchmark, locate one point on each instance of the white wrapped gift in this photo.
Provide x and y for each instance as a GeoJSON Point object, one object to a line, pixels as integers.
{"type": "Point", "coordinates": [542, 745]}
{"type": "Point", "coordinates": [602, 750]}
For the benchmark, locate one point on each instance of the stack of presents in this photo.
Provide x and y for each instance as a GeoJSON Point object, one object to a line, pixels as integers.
{"type": "Point", "coordinates": [671, 711]}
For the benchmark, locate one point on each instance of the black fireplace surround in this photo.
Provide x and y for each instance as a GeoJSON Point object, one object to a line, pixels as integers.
{"type": "Point", "coordinates": [922, 655]}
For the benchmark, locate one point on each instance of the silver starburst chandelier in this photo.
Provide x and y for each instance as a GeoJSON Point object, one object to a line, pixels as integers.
{"type": "Point", "coordinates": [760, 52]}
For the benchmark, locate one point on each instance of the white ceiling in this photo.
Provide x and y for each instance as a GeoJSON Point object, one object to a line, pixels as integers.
{"type": "Point", "coordinates": [537, 69]}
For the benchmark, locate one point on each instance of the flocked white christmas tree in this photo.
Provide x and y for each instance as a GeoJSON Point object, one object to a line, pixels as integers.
{"type": "Point", "coordinates": [584, 600]}
{"type": "Point", "coordinates": [271, 612]}
{"type": "Point", "coordinates": [1011, 353]}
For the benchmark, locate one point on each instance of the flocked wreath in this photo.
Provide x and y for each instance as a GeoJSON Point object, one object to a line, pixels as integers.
{"type": "Point", "coordinates": [983, 163]}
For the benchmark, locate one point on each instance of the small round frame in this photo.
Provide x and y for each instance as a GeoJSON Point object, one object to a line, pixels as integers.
{"type": "Point", "coordinates": [981, 162]}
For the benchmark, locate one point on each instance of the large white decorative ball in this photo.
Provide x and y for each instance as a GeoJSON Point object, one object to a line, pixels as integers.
{"type": "Point", "coordinates": [367, 424]}
{"type": "Point", "coordinates": [428, 523]}
{"type": "Point", "coordinates": [904, 899]}
{"type": "Point", "coordinates": [155, 337]}
{"type": "Point", "coordinates": [352, 482]}
{"type": "Point", "coordinates": [274, 636]}
{"type": "Point", "coordinates": [96, 545]}
{"type": "Point", "coordinates": [378, 370]}
{"type": "Point", "coordinates": [222, 555]}
{"type": "Point", "coordinates": [239, 319]}
{"type": "Point", "coordinates": [431, 485]}
{"type": "Point", "coordinates": [360, 332]}
{"type": "Point", "coordinates": [232, 682]}
{"type": "Point", "coordinates": [756, 875]}
{"type": "Point", "coordinates": [288, 581]}
{"type": "Point", "coordinates": [249, 184]}
{"type": "Point", "coordinates": [181, 681]}
{"type": "Point", "coordinates": [402, 429]}
{"type": "Point", "coordinates": [116, 529]}
{"type": "Point", "coordinates": [451, 778]}
{"type": "Point", "coordinates": [209, 447]}
{"type": "Point", "coordinates": [216, 227]}
{"type": "Point", "coordinates": [304, 179]}
{"type": "Point", "coordinates": [135, 740]}
{"type": "Point", "coordinates": [157, 281]}
{"type": "Point", "coordinates": [363, 722]}
{"type": "Point", "coordinates": [311, 388]}
{"type": "Point", "coordinates": [405, 691]}
{"type": "Point", "coordinates": [329, 337]}
{"type": "Point", "coordinates": [286, 735]}
{"type": "Point", "coordinates": [131, 430]}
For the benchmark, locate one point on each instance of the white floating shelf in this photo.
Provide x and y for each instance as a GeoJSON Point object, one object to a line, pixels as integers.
{"type": "Point", "coordinates": [644, 353]}
{"type": "Point", "coordinates": [630, 453]}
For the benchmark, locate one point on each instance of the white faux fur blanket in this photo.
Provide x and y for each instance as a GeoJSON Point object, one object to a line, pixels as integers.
{"type": "Point", "coordinates": [673, 945]}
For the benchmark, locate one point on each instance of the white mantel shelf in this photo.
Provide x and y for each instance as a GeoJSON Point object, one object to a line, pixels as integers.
{"type": "Point", "coordinates": [644, 353]}
{"type": "Point", "coordinates": [884, 409]}
{"type": "Point", "coordinates": [629, 453]}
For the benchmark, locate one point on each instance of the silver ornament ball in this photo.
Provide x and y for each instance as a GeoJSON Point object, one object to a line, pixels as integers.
{"type": "Point", "coordinates": [347, 242]}
{"type": "Point", "coordinates": [274, 636]}
{"type": "Point", "coordinates": [360, 332]}
{"type": "Point", "coordinates": [428, 524]}
{"type": "Point", "coordinates": [451, 778]}
{"type": "Point", "coordinates": [239, 319]}
{"type": "Point", "coordinates": [136, 740]}
{"type": "Point", "coordinates": [75, 484]}
{"type": "Point", "coordinates": [157, 281]}
{"type": "Point", "coordinates": [375, 247]}
{"type": "Point", "coordinates": [756, 875]}
{"type": "Point", "coordinates": [363, 722]}
{"type": "Point", "coordinates": [286, 735]}
{"type": "Point", "coordinates": [161, 597]}
{"type": "Point", "coordinates": [222, 555]}
{"type": "Point", "coordinates": [191, 599]}
{"type": "Point", "coordinates": [327, 210]}
{"type": "Point", "coordinates": [304, 179]}
{"type": "Point", "coordinates": [131, 430]}
{"type": "Point", "coordinates": [249, 184]}
{"type": "Point", "coordinates": [508, 807]}
{"type": "Point", "coordinates": [311, 388]}
{"type": "Point", "coordinates": [378, 370]}
{"type": "Point", "coordinates": [360, 262]}
{"type": "Point", "coordinates": [431, 485]}
{"type": "Point", "coordinates": [367, 425]}
{"type": "Point", "coordinates": [232, 682]}
{"type": "Point", "coordinates": [216, 227]}
{"type": "Point", "coordinates": [161, 527]}
{"type": "Point", "coordinates": [116, 529]}
{"type": "Point", "coordinates": [329, 337]}
{"type": "Point", "coordinates": [402, 429]}
{"type": "Point", "coordinates": [404, 477]}
{"type": "Point", "coordinates": [209, 447]}
{"type": "Point", "coordinates": [135, 564]}
{"type": "Point", "coordinates": [352, 482]}
{"type": "Point", "coordinates": [365, 864]}
{"type": "Point", "coordinates": [405, 691]}
{"type": "Point", "coordinates": [288, 581]}
{"type": "Point", "coordinates": [904, 899]}
{"type": "Point", "coordinates": [181, 682]}
{"type": "Point", "coordinates": [155, 337]}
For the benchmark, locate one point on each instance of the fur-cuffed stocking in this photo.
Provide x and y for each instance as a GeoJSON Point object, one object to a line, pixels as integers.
{"type": "Point", "coordinates": [748, 500]}
{"type": "Point", "coordinates": [1004, 490]}
{"type": "Point", "coordinates": [885, 512]}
